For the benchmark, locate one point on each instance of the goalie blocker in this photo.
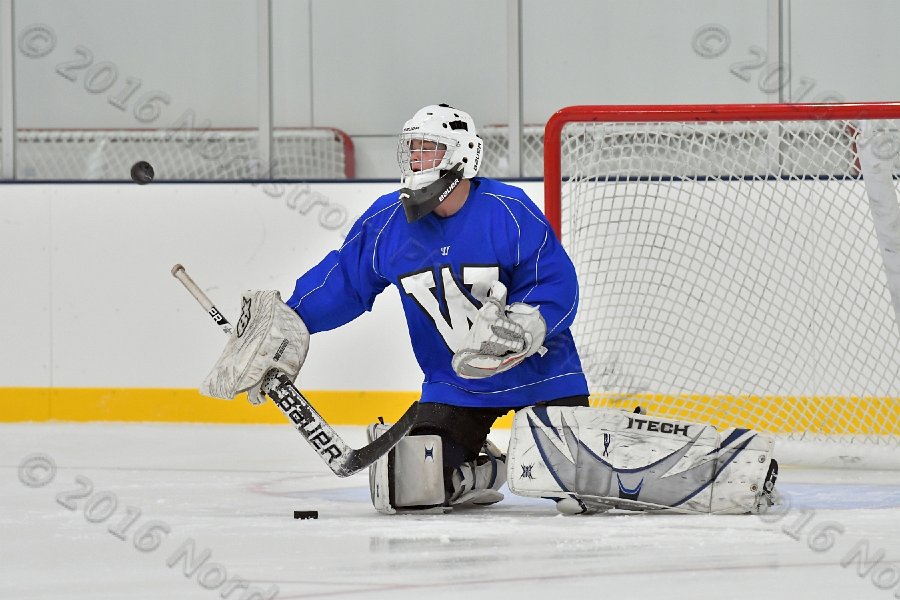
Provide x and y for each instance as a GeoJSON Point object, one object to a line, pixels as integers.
{"type": "Point", "coordinates": [595, 459]}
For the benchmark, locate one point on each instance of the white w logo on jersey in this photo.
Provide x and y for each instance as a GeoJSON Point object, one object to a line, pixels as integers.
{"type": "Point", "coordinates": [452, 322]}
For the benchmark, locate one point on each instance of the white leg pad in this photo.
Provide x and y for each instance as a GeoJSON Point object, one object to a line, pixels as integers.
{"type": "Point", "coordinates": [615, 459]}
{"type": "Point", "coordinates": [410, 477]}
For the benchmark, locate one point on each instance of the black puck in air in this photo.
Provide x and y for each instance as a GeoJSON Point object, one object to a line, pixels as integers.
{"type": "Point", "coordinates": [306, 514]}
{"type": "Point", "coordinates": [142, 172]}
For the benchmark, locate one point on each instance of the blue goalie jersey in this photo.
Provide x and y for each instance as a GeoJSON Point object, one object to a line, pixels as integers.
{"type": "Point", "coordinates": [443, 268]}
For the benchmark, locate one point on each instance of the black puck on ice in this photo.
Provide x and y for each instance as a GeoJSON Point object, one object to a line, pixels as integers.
{"type": "Point", "coordinates": [141, 172]}
{"type": "Point", "coordinates": [306, 514]}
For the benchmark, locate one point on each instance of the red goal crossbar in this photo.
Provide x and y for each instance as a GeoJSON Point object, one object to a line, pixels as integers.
{"type": "Point", "coordinates": [684, 112]}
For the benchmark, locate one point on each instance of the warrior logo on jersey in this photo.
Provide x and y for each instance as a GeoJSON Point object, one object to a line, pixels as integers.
{"type": "Point", "coordinates": [453, 305]}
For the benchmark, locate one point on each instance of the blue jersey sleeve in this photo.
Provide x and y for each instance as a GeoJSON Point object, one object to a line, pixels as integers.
{"type": "Point", "coordinates": [544, 276]}
{"type": "Point", "coordinates": [345, 283]}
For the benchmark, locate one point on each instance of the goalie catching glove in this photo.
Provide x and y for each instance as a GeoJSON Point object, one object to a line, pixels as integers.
{"type": "Point", "coordinates": [268, 335]}
{"type": "Point", "coordinates": [501, 337]}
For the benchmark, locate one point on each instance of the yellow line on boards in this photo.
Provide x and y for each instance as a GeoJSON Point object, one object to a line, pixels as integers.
{"type": "Point", "coordinates": [828, 415]}
{"type": "Point", "coordinates": [773, 414]}
{"type": "Point", "coordinates": [188, 406]}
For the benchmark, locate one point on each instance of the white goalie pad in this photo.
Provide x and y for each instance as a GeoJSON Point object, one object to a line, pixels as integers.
{"type": "Point", "coordinates": [410, 476]}
{"type": "Point", "coordinates": [616, 459]}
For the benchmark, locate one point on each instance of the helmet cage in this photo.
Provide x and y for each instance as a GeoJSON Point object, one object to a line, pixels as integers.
{"type": "Point", "coordinates": [420, 153]}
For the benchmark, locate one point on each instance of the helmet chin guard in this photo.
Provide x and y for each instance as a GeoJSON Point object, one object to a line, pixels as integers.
{"type": "Point", "coordinates": [419, 202]}
{"type": "Point", "coordinates": [437, 149]}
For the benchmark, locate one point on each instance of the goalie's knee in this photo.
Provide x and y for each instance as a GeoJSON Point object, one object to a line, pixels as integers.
{"type": "Point", "coordinates": [412, 476]}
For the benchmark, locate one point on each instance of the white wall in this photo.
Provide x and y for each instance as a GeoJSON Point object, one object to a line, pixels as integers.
{"type": "Point", "coordinates": [847, 47]}
{"type": "Point", "coordinates": [201, 53]}
{"type": "Point", "coordinates": [365, 66]}
{"type": "Point", "coordinates": [88, 299]}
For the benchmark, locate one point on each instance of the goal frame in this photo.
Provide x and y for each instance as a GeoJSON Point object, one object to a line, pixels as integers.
{"type": "Point", "coordinates": [699, 113]}
{"type": "Point", "coordinates": [842, 450]}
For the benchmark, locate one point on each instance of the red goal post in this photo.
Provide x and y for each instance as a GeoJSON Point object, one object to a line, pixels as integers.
{"type": "Point", "coordinates": [735, 263]}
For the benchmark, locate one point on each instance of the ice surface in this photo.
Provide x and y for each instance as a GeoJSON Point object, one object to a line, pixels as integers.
{"type": "Point", "coordinates": [230, 491]}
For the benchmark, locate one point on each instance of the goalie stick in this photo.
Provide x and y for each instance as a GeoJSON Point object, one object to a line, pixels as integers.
{"type": "Point", "coordinates": [340, 458]}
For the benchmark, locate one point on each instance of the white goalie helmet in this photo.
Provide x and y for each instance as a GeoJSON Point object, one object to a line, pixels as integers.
{"type": "Point", "coordinates": [438, 147]}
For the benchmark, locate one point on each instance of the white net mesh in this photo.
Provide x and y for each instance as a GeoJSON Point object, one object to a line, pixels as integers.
{"type": "Point", "coordinates": [496, 151]}
{"type": "Point", "coordinates": [181, 155]}
{"type": "Point", "coordinates": [731, 273]}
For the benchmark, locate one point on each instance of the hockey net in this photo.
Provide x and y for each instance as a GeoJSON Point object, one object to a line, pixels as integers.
{"type": "Point", "coordinates": [496, 151]}
{"type": "Point", "coordinates": [739, 265]}
{"type": "Point", "coordinates": [178, 155]}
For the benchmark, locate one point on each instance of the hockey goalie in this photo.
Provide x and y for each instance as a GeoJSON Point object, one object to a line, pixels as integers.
{"type": "Point", "coordinates": [489, 295]}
